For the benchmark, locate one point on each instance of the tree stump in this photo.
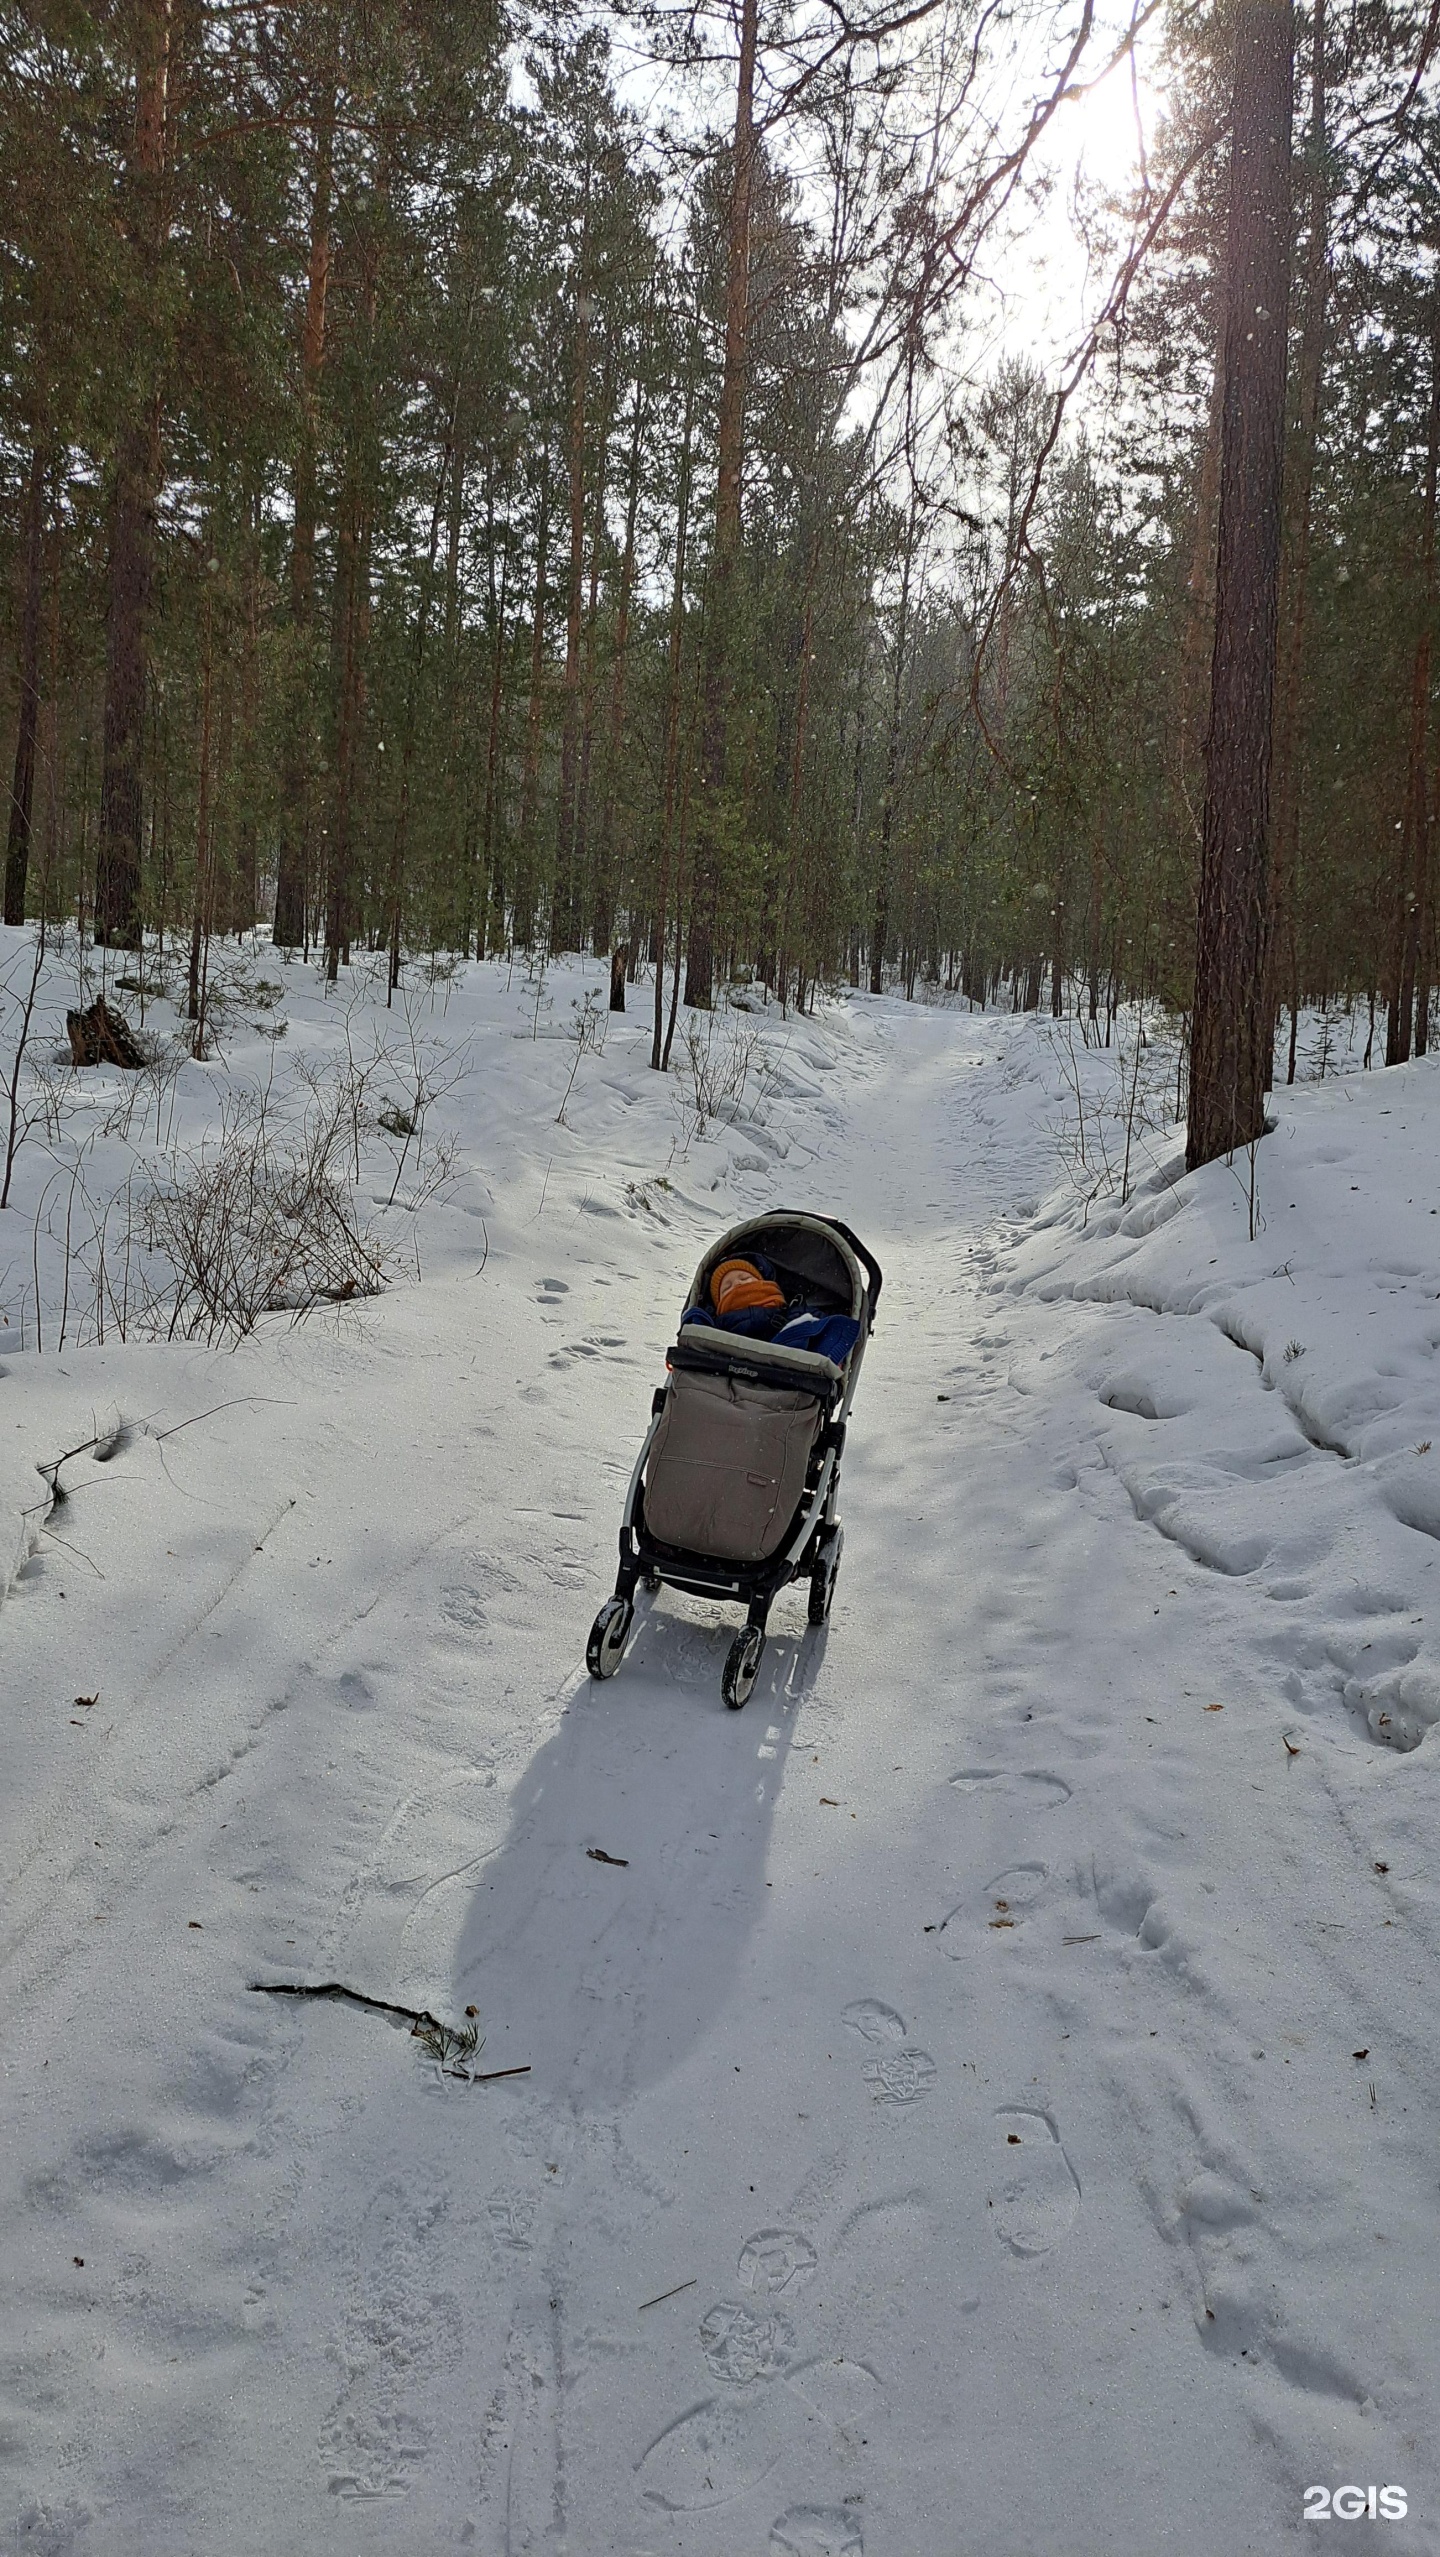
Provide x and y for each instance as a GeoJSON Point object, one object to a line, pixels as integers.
{"type": "Point", "coordinates": [103, 1037]}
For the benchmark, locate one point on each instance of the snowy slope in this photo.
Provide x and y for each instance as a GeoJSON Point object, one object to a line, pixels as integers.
{"type": "Point", "coordinates": [965, 2046]}
{"type": "Point", "coordinates": [1315, 1470]}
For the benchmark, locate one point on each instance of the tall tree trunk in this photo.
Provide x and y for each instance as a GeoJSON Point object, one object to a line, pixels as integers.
{"type": "Point", "coordinates": [454, 526]}
{"type": "Point", "coordinates": [1295, 557]}
{"type": "Point", "coordinates": [534, 718]}
{"type": "Point", "coordinates": [352, 616]}
{"type": "Point", "coordinates": [355, 532]}
{"type": "Point", "coordinates": [292, 883]}
{"type": "Point", "coordinates": [794, 829]}
{"type": "Point", "coordinates": [1095, 917]}
{"type": "Point", "coordinates": [1231, 1026]}
{"type": "Point", "coordinates": [1412, 881]}
{"type": "Point", "coordinates": [132, 516]}
{"type": "Point", "coordinates": [491, 930]}
{"type": "Point", "coordinates": [582, 865]}
{"type": "Point", "coordinates": [672, 726]}
{"type": "Point", "coordinates": [459, 769]}
{"type": "Point", "coordinates": [449, 462]}
{"type": "Point", "coordinates": [880, 921]}
{"type": "Point", "coordinates": [49, 743]}
{"type": "Point", "coordinates": [1425, 943]}
{"type": "Point", "coordinates": [562, 928]}
{"type": "Point", "coordinates": [1197, 644]}
{"type": "Point", "coordinates": [605, 866]}
{"type": "Point", "coordinates": [857, 775]}
{"type": "Point", "coordinates": [131, 575]}
{"type": "Point", "coordinates": [200, 907]}
{"type": "Point", "coordinates": [724, 560]}
{"type": "Point", "coordinates": [245, 882]}
{"type": "Point", "coordinates": [222, 829]}
{"type": "Point", "coordinates": [22, 788]}
{"type": "Point", "coordinates": [687, 759]}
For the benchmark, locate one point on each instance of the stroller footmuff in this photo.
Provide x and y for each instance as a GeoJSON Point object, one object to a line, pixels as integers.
{"type": "Point", "coordinates": [735, 1490]}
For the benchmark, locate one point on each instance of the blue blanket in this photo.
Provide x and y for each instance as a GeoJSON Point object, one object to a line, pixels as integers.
{"type": "Point", "coordinates": [833, 1336]}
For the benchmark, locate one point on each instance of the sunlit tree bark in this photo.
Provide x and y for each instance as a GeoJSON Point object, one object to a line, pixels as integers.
{"type": "Point", "coordinates": [132, 512]}
{"type": "Point", "coordinates": [1230, 1023]}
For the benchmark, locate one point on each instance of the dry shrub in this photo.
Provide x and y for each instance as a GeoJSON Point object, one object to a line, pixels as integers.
{"type": "Point", "coordinates": [262, 1220]}
{"type": "Point", "coordinates": [719, 1059]}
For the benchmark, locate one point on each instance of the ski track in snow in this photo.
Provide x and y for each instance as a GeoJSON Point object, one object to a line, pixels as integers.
{"type": "Point", "coordinates": [965, 2046]}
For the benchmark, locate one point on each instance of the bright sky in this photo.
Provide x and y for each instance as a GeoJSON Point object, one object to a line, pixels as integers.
{"type": "Point", "coordinates": [1043, 292]}
{"type": "Point", "coordinates": [1037, 289]}
{"type": "Point", "coordinates": [1040, 292]}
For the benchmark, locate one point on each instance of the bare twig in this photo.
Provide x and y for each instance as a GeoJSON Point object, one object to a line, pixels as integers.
{"type": "Point", "coordinates": [661, 2296]}
{"type": "Point", "coordinates": [443, 2040]}
{"type": "Point", "coordinates": [338, 1989]}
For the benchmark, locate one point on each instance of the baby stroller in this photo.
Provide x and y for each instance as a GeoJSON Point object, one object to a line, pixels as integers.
{"type": "Point", "coordinates": [735, 1491]}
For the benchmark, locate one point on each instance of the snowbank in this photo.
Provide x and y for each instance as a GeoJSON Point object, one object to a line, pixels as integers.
{"type": "Point", "coordinates": [1277, 1395]}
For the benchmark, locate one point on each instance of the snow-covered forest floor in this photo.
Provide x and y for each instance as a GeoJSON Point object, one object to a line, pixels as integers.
{"type": "Point", "coordinates": [1048, 2170]}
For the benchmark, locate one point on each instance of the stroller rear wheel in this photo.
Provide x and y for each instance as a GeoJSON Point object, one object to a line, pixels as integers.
{"type": "Point", "coordinates": [742, 1666]}
{"type": "Point", "coordinates": [605, 1649]}
{"type": "Point", "coordinates": [825, 1575]}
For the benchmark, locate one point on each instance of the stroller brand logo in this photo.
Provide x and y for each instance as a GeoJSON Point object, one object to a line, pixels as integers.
{"type": "Point", "coordinates": [1356, 2503]}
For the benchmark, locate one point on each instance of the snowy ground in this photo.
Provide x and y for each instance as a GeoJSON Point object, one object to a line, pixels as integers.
{"type": "Point", "coordinates": [1049, 2170]}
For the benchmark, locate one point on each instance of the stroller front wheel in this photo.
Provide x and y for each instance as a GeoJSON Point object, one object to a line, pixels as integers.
{"type": "Point", "coordinates": [605, 1649]}
{"type": "Point", "coordinates": [742, 1667]}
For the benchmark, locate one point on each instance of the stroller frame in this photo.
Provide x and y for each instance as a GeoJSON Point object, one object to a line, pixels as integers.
{"type": "Point", "coordinates": [811, 1544]}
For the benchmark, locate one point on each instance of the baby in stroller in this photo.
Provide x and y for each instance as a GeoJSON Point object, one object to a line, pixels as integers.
{"type": "Point", "coordinates": [746, 1297]}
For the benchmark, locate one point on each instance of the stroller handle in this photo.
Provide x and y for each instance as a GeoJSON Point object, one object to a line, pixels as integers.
{"type": "Point", "coordinates": [871, 1266]}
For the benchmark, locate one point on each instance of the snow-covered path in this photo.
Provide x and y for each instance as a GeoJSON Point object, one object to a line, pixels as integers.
{"type": "Point", "coordinates": [943, 2136]}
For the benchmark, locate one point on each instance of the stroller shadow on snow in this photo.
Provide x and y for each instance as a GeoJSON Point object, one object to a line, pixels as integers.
{"type": "Point", "coordinates": [611, 1973]}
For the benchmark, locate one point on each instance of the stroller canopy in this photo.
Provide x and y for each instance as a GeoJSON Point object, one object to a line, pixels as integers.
{"type": "Point", "coordinates": [822, 1261]}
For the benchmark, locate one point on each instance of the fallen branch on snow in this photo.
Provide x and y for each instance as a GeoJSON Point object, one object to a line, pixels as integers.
{"type": "Point", "coordinates": [438, 2037]}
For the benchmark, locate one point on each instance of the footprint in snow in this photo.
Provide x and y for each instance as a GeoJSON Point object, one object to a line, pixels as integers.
{"type": "Point", "coordinates": [878, 2244]}
{"type": "Point", "coordinates": [464, 1607]}
{"type": "Point", "coordinates": [513, 2219]}
{"type": "Point", "coordinates": [740, 2346]}
{"type": "Point", "coordinates": [397, 2332]}
{"type": "Point", "coordinates": [1008, 1897]}
{"type": "Point", "coordinates": [1035, 2195]}
{"type": "Point", "coordinates": [774, 2259]}
{"type": "Point", "coordinates": [715, 2452]}
{"type": "Point", "coordinates": [811, 2531]}
{"type": "Point", "coordinates": [900, 2077]}
{"type": "Point", "coordinates": [1041, 1790]}
{"type": "Point", "coordinates": [874, 2021]}
{"type": "Point", "coordinates": [47, 2530]}
{"type": "Point", "coordinates": [719, 2450]}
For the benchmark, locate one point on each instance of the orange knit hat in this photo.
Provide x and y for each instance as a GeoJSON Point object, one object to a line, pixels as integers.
{"type": "Point", "coordinates": [738, 1288]}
